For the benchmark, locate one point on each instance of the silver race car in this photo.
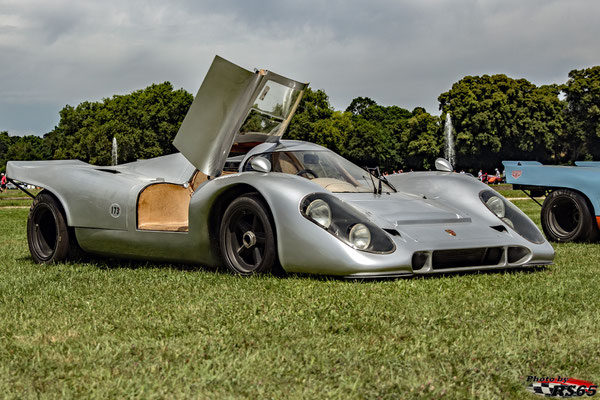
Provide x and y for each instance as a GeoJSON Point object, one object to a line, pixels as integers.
{"type": "Point", "coordinates": [239, 195]}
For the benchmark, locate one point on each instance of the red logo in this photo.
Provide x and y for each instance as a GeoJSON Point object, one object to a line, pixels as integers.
{"type": "Point", "coordinates": [516, 174]}
{"type": "Point", "coordinates": [450, 232]}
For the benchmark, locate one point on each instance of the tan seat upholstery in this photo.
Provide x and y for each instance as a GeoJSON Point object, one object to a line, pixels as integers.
{"type": "Point", "coordinates": [164, 207]}
{"type": "Point", "coordinates": [282, 162]}
{"type": "Point", "coordinates": [197, 179]}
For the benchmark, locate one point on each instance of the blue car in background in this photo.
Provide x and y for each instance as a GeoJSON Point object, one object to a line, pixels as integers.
{"type": "Point", "coordinates": [571, 210]}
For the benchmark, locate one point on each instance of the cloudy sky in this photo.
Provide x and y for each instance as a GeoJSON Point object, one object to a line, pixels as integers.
{"type": "Point", "coordinates": [57, 52]}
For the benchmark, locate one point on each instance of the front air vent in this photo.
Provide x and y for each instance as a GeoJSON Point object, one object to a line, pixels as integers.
{"type": "Point", "coordinates": [484, 256]}
{"type": "Point", "coordinates": [516, 254]}
{"type": "Point", "coordinates": [419, 259]}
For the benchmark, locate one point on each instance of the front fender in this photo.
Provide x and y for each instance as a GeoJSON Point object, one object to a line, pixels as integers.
{"type": "Point", "coordinates": [302, 245]}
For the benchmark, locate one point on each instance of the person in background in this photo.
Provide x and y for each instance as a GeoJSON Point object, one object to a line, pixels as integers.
{"type": "Point", "coordinates": [3, 183]}
{"type": "Point", "coordinates": [480, 175]}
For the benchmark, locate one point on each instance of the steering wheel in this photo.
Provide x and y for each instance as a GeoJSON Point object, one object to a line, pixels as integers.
{"type": "Point", "coordinates": [306, 172]}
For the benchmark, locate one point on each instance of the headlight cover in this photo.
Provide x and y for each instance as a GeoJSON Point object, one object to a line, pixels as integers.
{"type": "Point", "coordinates": [318, 210]}
{"type": "Point", "coordinates": [511, 216]}
{"type": "Point", "coordinates": [360, 236]}
{"type": "Point", "coordinates": [346, 223]}
{"type": "Point", "coordinates": [496, 205]}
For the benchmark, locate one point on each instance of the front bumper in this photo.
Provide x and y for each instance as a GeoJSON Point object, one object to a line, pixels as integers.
{"type": "Point", "coordinates": [322, 253]}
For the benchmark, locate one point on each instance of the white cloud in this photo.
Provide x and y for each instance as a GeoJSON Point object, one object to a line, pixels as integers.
{"type": "Point", "coordinates": [397, 52]}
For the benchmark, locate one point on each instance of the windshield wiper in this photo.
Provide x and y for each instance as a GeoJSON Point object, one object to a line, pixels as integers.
{"type": "Point", "coordinates": [385, 179]}
{"type": "Point", "coordinates": [378, 189]}
{"type": "Point", "coordinates": [372, 183]}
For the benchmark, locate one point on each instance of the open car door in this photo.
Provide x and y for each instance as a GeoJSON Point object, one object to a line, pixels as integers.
{"type": "Point", "coordinates": [235, 105]}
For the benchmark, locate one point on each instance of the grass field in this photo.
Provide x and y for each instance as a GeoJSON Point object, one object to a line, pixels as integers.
{"type": "Point", "coordinates": [14, 197]}
{"type": "Point", "coordinates": [109, 329]}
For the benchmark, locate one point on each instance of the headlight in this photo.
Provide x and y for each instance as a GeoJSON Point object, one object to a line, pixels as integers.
{"type": "Point", "coordinates": [319, 211]}
{"type": "Point", "coordinates": [346, 223]}
{"type": "Point", "coordinates": [511, 216]}
{"type": "Point", "coordinates": [508, 222]}
{"type": "Point", "coordinates": [360, 236]}
{"type": "Point", "coordinates": [496, 205]}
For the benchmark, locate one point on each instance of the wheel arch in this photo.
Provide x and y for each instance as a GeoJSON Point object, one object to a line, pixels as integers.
{"type": "Point", "coordinates": [61, 203]}
{"type": "Point", "coordinates": [585, 196]}
{"type": "Point", "coordinates": [223, 200]}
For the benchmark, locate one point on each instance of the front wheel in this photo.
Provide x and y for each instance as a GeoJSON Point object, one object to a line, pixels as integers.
{"type": "Point", "coordinates": [567, 217]}
{"type": "Point", "coordinates": [247, 239]}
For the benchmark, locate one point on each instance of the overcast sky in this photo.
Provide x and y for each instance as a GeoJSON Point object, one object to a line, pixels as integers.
{"type": "Point", "coordinates": [57, 52]}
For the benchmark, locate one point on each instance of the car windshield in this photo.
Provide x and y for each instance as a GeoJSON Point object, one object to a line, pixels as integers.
{"type": "Point", "coordinates": [325, 168]}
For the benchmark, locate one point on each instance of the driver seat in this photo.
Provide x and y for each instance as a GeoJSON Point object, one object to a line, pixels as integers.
{"type": "Point", "coordinates": [282, 162]}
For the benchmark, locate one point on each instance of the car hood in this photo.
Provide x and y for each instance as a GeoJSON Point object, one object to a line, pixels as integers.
{"type": "Point", "coordinates": [235, 105]}
{"type": "Point", "coordinates": [403, 209]}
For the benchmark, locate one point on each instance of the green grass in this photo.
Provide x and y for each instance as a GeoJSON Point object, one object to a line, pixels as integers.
{"type": "Point", "coordinates": [109, 329]}
{"type": "Point", "coordinates": [17, 193]}
{"type": "Point", "coordinates": [502, 186]}
{"type": "Point", "coordinates": [506, 190]}
{"type": "Point", "coordinates": [15, 203]}
{"type": "Point", "coordinates": [15, 197]}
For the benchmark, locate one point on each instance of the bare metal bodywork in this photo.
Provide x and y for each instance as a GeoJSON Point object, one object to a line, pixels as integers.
{"type": "Point", "coordinates": [437, 216]}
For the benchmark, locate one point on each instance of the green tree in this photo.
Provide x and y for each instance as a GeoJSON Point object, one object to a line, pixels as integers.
{"type": "Point", "coordinates": [378, 134]}
{"type": "Point", "coordinates": [5, 143]}
{"type": "Point", "coordinates": [314, 106]}
{"type": "Point", "coordinates": [421, 141]}
{"type": "Point", "coordinates": [497, 117]}
{"type": "Point", "coordinates": [143, 122]}
{"type": "Point", "coordinates": [27, 148]}
{"type": "Point", "coordinates": [360, 104]}
{"type": "Point", "coordinates": [332, 132]}
{"type": "Point", "coordinates": [582, 92]}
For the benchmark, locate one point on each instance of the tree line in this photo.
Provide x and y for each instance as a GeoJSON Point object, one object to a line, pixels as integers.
{"type": "Point", "coordinates": [495, 118]}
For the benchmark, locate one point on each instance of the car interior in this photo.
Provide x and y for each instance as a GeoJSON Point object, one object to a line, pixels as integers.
{"type": "Point", "coordinates": [164, 206]}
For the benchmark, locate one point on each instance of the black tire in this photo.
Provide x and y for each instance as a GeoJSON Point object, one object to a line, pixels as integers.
{"type": "Point", "coordinates": [247, 238]}
{"type": "Point", "coordinates": [567, 217]}
{"type": "Point", "coordinates": [48, 235]}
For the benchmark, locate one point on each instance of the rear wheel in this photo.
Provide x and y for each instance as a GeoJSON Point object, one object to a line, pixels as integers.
{"type": "Point", "coordinates": [567, 217]}
{"type": "Point", "coordinates": [247, 239]}
{"type": "Point", "coordinates": [48, 235]}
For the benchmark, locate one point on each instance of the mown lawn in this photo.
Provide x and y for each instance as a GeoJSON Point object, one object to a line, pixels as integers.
{"type": "Point", "coordinates": [17, 193]}
{"type": "Point", "coordinates": [109, 329]}
{"type": "Point", "coordinates": [15, 197]}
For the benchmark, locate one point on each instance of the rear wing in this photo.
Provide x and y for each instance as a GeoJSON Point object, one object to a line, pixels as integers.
{"type": "Point", "coordinates": [589, 164]}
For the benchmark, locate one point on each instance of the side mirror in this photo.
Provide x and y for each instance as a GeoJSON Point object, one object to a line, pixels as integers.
{"type": "Point", "coordinates": [441, 164]}
{"type": "Point", "coordinates": [260, 164]}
